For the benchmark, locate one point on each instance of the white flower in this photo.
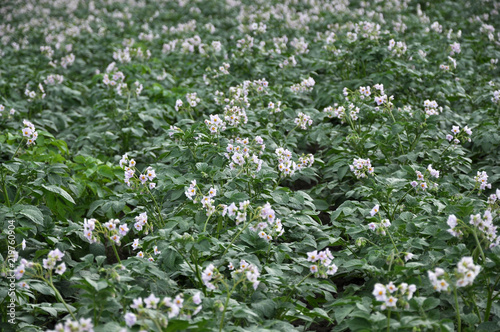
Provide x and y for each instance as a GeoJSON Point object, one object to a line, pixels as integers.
{"type": "Point", "coordinates": [312, 256]}
{"type": "Point", "coordinates": [130, 319]}
{"type": "Point", "coordinates": [61, 268]}
{"type": "Point", "coordinates": [391, 301]}
{"type": "Point", "coordinates": [137, 303]}
{"type": "Point", "coordinates": [379, 292]}
{"type": "Point", "coordinates": [151, 301]}
{"type": "Point", "coordinates": [197, 298]}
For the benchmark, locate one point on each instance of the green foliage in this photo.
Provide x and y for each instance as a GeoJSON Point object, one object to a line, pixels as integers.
{"type": "Point", "coordinates": [183, 165]}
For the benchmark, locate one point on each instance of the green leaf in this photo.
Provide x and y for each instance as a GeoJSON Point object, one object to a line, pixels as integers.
{"type": "Point", "coordinates": [43, 288]}
{"type": "Point", "coordinates": [31, 212]}
{"type": "Point", "coordinates": [60, 191]}
{"type": "Point", "coordinates": [360, 324]}
{"type": "Point", "coordinates": [342, 312]}
{"type": "Point", "coordinates": [265, 308]}
{"type": "Point", "coordinates": [51, 311]}
{"type": "Point", "coordinates": [430, 303]}
{"type": "Point", "coordinates": [92, 283]}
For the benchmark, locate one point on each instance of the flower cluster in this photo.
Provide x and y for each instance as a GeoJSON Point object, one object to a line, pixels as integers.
{"type": "Point", "coordinates": [2, 108]}
{"type": "Point", "coordinates": [83, 325]}
{"type": "Point", "coordinates": [305, 161]}
{"type": "Point", "coordinates": [422, 182]}
{"type": "Point", "coordinates": [210, 276]}
{"type": "Point", "coordinates": [215, 124]}
{"type": "Point", "coordinates": [47, 51]}
{"type": "Point", "coordinates": [125, 55]}
{"type": "Point", "coordinates": [286, 166]}
{"type": "Point", "coordinates": [50, 262]}
{"type": "Point", "coordinates": [68, 60]}
{"type": "Point", "coordinates": [446, 67]}
{"type": "Point", "coordinates": [493, 198]}
{"type": "Point", "coordinates": [54, 79]}
{"type": "Point", "coordinates": [431, 107]}
{"type": "Point", "coordinates": [88, 228]}
{"type": "Point", "coordinates": [245, 44]}
{"type": "Point", "coordinates": [391, 295]}
{"type": "Point", "coordinates": [191, 191]}
{"type": "Point", "coordinates": [193, 99]}
{"type": "Point", "coordinates": [32, 95]}
{"type": "Point", "coordinates": [300, 45]}
{"type": "Point", "coordinates": [241, 153]}
{"type": "Point", "coordinates": [304, 86]}
{"type": "Point", "coordinates": [496, 97]}
{"type": "Point", "coordinates": [136, 245]}
{"type": "Point", "coordinates": [481, 179]}
{"type": "Point", "coordinates": [224, 69]}
{"type": "Point", "coordinates": [178, 105]}
{"type": "Point", "coordinates": [397, 48]}
{"type": "Point", "coordinates": [176, 307]}
{"type": "Point", "coordinates": [238, 214]}
{"type": "Point", "coordinates": [246, 272]}
{"type": "Point", "coordinates": [303, 120]}
{"type": "Point", "coordinates": [368, 29]}
{"type": "Point", "coordinates": [270, 223]}
{"type": "Point", "coordinates": [207, 201]}
{"type": "Point", "coordinates": [467, 271]}
{"type": "Point", "coordinates": [143, 178]}
{"type": "Point", "coordinates": [323, 263]}
{"type": "Point", "coordinates": [29, 132]}
{"type": "Point", "coordinates": [274, 107]}
{"type": "Point", "coordinates": [140, 221]}
{"type": "Point", "coordinates": [455, 48]}
{"type": "Point", "coordinates": [465, 274]}
{"type": "Point", "coordinates": [21, 269]}
{"type": "Point", "coordinates": [452, 223]}
{"type": "Point", "coordinates": [257, 85]}
{"type": "Point", "coordinates": [459, 135]}
{"type": "Point", "coordinates": [381, 226]}
{"type": "Point", "coordinates": [486, 227]}
{"type": "Point", "coordinates": [361, 167]}
{"type": "Point", "coordinates": [289, 62]}
{"type": "Point", "coordinates": [138, 88]}
{"type": "Point", "coordinates": [114, 78]}
{"type": "Point", "coordinates": [235, 115]}
{"type": "Point", "coordinates": [340, 112]}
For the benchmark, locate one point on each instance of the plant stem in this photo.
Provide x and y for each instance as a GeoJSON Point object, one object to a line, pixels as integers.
{"type": "Point", "coordinates": [206, 223]}
{"type": "Point", "coordinates": [195, 258]}
{"type": "Point", "coordinates": [191, 267]}
{"type": "Point", "coordinates": [225, 305]}
{"type": "Point", "coordinates": [58, 296]}
{"type": "Point", "coordinates": [237, 235]}
{"type": "Point", "coordinates": [156, 205]}
{"type": "Point", "coordinates": [399, 138]}
{"type": "Point", "coordinates": [116, 252]}
{"type": "Point", "coordinates": [128, 101]}
{"type": "Point", "coordinates": [399, 202]}
{"type": "Point", "coordinates": [291, 290]}
{"type": "Point", "coordinates": [18, 147]}
{"type": "Point", "coordinates": [290, 132]}
{"type": "Point", "coordinates": [157, 325]}
{"type": "Point", "coordinates": [489, 300]}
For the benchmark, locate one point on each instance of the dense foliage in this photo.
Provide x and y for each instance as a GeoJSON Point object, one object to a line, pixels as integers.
{"type": "Point", "coordinates": [249, 165]}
